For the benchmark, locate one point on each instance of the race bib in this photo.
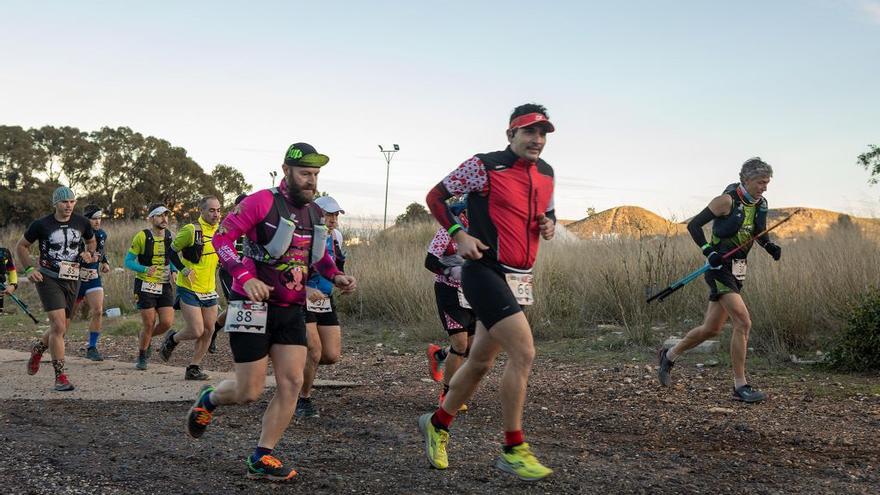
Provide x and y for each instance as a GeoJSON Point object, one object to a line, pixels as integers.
{"type": "Point", "coordinates": [246, 317]}
{"type": "Point", "coordinates": [321, 306]}
{"type": "Point", "coordinates": [739, 269]}
{"type": "Point", "coordinates": [521, 286]}
{"type": "Point", "coordinates": [206, 296]}
{"type": "Point", "coordinates": [151, 288]}
{"type": "Point", "coordinates": [68, 270]}
{"type": "Point", "coordinates": [86, 274]}
{"type": "Point", "coordinates": [461, 300]}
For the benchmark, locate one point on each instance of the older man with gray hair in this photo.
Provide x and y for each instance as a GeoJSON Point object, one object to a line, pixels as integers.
{"type": "Point", "coordinates": [738, 214]}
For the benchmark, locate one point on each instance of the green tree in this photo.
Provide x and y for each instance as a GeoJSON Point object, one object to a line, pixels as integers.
{"type": "Point", "coordinates": [230, 182]}
{"type": "Point", "coordinates": [871, 161]}
{"type": "Point", "coordinates": [414, 213]}
{"type": "Point", "coordinates": [118, 153]}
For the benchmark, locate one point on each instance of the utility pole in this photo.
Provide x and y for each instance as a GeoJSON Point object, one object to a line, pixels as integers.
{"type": "Point", "coordinates": [388, 155]}
{"type": "Point", "coordinates": [273, 174]}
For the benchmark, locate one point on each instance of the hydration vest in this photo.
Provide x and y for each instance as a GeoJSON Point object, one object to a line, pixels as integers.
{"type": "Point", "coordinates": [268, 250]}
{"type": "Point", "coordinates": [146, 258]}
{"type": "Point", "coordinates": [727, 226]}
{"type": "Point", "coordinates": [194, 253]}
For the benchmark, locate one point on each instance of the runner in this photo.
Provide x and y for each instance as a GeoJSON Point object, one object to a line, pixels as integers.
{"type": "Point", "coordinates": [226, 285]}
{"type": "Point", "coordinates": [8, 275]}
{"type": "Point", "coordinates": [57, 278]}
{"type": "Point", "coordinates": [510, 206]}
{"type": "Point", "coordinates": [736, 215]}
{"type": "Point", "coordinates": [149, 257]}
{"type": "Point", "coordinates": [322, 323]}
{"type": "Point", "coordinates": [196, 261]}
{"type": "Point", "coordinates": [456, 314]}
{"type": "Point", "coordinates": [266, 317]}
{"type": "Point", "coordinates": [90, 288]}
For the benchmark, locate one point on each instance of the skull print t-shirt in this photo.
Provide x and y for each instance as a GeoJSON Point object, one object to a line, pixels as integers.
{"type": "Point", "coordinates": [59, 241]}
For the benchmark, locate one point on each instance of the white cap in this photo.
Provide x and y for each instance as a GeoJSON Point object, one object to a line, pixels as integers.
{"type": "Point", "coordinates": [329, 204]}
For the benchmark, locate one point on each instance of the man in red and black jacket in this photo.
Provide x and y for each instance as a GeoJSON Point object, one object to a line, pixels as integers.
{"type": "Point", "coordinates": [510, 206]}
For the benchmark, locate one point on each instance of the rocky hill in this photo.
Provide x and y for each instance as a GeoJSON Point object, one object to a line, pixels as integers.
{"type": "Point", "coordinates": [638, 222]}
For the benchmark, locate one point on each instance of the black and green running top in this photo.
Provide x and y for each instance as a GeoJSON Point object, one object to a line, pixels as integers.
{"type": "Point", "coordinates": [737, 227]}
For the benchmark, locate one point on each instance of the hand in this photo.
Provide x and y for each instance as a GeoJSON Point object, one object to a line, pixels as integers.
{"type": "Point", "coordinates": [35, 276]}
{"type": "Point", "coordinates": [547, 226]}
{"type": "Point", "coordinates": [8, 290]}
{"type": "Point", "coordinates": [189, 274]}
{"type": "Point", "coordinates": [455, 273]}
{"type": "Point", "coordinates": [773, 250]}
{"type": "Point", "coordinates": [151, 270]}
{"type": "Point", "coordinates": [88, 257]}
{"type": "Point", "coordinates": [105, 268]}
{"type": "Point", "coordinates": [314, 295]}
{"type": "Point", "coordinates": [257, 291]}
{"type": "Point", "coordinates": [469, 247]}
{"type": "Point", "coordinates": [346, 283]}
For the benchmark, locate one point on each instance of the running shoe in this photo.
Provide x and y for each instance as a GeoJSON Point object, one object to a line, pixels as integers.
{"type": "Point", "coordinates": [663, 372]}
{"type": "Point", "coordinates": [435, 365]}
{"type": "Point", "coordinates": [306, 409]}
{"type": "Point", "coordinates": [168, 346]}
{"type": "Point", "coordinates": [62, 384]}
{"type": "Point", "coordinates": [93, 354]}
{"type": "Point", "coordinates": [268, 468]}
{"type": "Point", "coordinates": [193, 372]}
{"type": "Point", "coordinates": [521, 462]}
{"type": "Point", "coordinates": [37, 350]}
{"type": "Point", "coordinates": [435, 442]}
{"type": "Point", "coordinates": [748, 394]}
{"type": "Point", "coordinates": [198, 418]}
{"type": "Point", "coordinates": [463, 408]}
{"type": "Point", "coordinates": [141, 363]}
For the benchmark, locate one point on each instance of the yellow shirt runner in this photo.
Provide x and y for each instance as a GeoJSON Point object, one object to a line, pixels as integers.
{"type": "Point", "coordinates": [204, 277]}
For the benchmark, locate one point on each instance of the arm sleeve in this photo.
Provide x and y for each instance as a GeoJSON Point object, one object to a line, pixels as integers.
{"type": "Point", "coordinates": [326, 267]}
{"type": "Point", "coordinates": [695, 226]}
{"type": "Point", "coordinates": [175, 260]}
{"type": "Point", "coordinates": [469, 177]}
{"type": "Point", "coordinates": [12, 275]}
{"type": "Point", "coordinates": [132, 264]}
{"type": "Point", "coordinates": [239, 222]}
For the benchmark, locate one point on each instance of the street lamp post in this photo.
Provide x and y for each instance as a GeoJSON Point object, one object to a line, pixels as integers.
{"type": "Point", "coordinates": [388, 155]}
{"type": "Point", "coordinates": [273, 174]}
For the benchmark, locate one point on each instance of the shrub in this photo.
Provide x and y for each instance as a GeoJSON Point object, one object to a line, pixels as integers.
{"type": "Point", "coordinates": [858, 347]}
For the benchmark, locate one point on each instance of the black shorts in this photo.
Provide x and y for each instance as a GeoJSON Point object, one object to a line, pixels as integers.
{"type": "Point", "coordinates": [722, 281]}
{"type": "Point", "coordinates": [285, 325]}
{"type": "Point", "coordinates": [145, 300]}
{"type": "Point", "coordinates": [329, 319]}
{"type": "Point", "coordinates": [487, 292]}
{"type": "Point", "coordinates": [57, 294]}
{"type": "Point", "coordinates": [453, 317]}
{"type": "Point", "coordinates": [225, 283]}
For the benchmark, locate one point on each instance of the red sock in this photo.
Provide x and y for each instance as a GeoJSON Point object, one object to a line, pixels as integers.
{"type": "Point", "coordinates": [442, 419]}
{"type": "Point", "coordinates": [513, 438]}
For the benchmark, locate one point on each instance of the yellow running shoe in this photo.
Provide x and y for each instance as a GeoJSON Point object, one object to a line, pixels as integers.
{"type": "Point", "coordinates": [521, 462]}
{"type": "Point", "coordinates": [435, 442]}
{"type": "Point", "coordinates": [463, 408]}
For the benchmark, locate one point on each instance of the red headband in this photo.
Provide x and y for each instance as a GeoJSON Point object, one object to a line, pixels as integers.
{"type": "Point", "coordinates": [530, 119]}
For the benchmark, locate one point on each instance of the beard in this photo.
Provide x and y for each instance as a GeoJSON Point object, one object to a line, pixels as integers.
{"type": "Point", "coordinates": [299, 197]}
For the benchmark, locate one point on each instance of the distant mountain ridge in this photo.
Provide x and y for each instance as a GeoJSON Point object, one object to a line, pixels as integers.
{"type": "Point", "coordinates": [635, 221]}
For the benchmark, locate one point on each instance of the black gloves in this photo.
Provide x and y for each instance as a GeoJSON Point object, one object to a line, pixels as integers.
{"type": "Point", "coordinates": [773, 250]}
{"type": "Point", "coordinates": [713, 258]}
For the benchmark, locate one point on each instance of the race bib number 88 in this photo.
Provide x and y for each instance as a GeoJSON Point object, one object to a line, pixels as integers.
{"type": "Point", "coordinates": [246, 317]}
{"type": "Point", "coordinates": [521, 286]}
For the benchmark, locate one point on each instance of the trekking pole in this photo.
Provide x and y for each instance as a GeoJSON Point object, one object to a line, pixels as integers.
{"type": "Point", "coordinates": [21, 304]}
{"type": "Point", "coordinates": [678, 284]}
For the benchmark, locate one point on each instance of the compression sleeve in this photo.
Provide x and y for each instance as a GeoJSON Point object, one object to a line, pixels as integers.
{"type": "Point", "coordinates": [695, 226]}
{"type": "Point", "coordinates": [436, 201]}
{"type": "Point", "coordinates": [12, 276]}
{"type": "Point", "coordinates": [132, 264]}
{"type": "Point", "coordinates": [176, 262]}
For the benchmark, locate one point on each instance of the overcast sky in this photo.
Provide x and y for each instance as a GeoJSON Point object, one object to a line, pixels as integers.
{"type": "Point", "coordinates": [656, 104]}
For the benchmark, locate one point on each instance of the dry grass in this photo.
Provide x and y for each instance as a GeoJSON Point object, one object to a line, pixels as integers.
{"type": "Point", "coordinates": [580, 284]}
